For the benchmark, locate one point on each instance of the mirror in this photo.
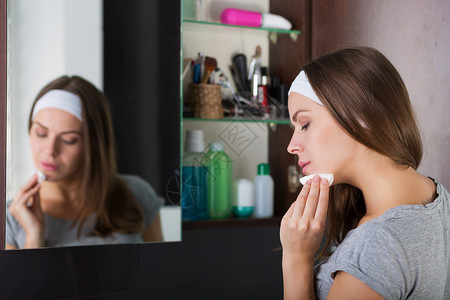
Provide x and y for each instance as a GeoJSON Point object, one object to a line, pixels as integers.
{"type": "Point", "coordinates": [130, 50]}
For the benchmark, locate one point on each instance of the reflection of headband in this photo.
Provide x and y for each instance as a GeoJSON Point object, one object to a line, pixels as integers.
{"type": "Point", "coordinates": [302, 86]}
{"type": "Point", "coordinates": [60, 99]}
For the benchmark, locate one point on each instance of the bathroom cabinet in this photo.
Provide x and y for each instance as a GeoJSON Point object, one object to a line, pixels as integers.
{"type": "Point", "coordinates": [283, 52]}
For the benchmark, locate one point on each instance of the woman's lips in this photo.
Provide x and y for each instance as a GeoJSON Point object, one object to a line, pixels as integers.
{"type": "Point", "coordinates": [304, 165]}
{"type": "Point", "coordinates": [49, 166]}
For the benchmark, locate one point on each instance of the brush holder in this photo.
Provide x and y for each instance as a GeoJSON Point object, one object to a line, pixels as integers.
{"type": "Point", "coordinates": [205, 100]}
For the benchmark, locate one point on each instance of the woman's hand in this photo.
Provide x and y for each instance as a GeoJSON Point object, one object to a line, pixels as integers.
{"type": "Point", "coordinates": [303, 224]}
{"type": "Point", "coordinates": [301, 233]}
{"type": "Point", "coordinates": [26, 209]}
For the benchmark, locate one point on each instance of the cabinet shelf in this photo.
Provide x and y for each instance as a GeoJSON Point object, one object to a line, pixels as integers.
{"type": "Point", "coordinates": [211, 37]}
{"type": "Point", "coordinates": [272, 31]}
{"type": "Point", "coordinates": [247, 120]}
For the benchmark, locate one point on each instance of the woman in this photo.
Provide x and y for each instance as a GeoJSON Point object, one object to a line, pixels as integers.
{"type": "Point", "coordinates": [387, 224]}
{"type": "Point", "coordinates": [83, 201]}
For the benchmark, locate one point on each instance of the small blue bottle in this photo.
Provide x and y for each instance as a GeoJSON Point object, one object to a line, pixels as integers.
{"type": "Point", "coordinates": [194, 199]}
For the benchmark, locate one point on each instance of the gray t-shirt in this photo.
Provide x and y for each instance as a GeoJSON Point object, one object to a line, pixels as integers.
{"type": "Point", "coordinates": [403, 254]}
{"type": "Point", "coordinates": [59, 232]}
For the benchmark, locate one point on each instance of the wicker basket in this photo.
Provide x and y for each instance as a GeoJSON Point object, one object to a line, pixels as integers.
{"type": "Point", "coordinates": [205, 100]}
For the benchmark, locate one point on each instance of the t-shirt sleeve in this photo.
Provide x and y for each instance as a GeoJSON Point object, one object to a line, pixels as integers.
{"type": "Point", "coordinates": [146, 196]}
{"type": "Point", "coordinates": [376, 258]}
{"type": "Point", "coordinates": [12, 228]}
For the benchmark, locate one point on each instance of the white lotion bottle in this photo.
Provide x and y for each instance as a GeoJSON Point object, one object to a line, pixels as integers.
{"type": "Point", "coordinates": [243, 198]}
{"type": "Point", "coordinates": [263, 192]}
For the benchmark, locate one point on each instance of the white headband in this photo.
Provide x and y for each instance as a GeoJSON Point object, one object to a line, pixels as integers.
{"type": "Point", "coordinates": [302, 86]}
{"type": "Point", "coordinates": [60, 99]}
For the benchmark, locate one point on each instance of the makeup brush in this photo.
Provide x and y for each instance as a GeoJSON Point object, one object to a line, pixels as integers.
{"type": "Point", "coordinates": [210, 66]}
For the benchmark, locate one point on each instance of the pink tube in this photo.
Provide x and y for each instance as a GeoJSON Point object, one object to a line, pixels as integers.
{"type": "Point", "coordinates": [241, 17]}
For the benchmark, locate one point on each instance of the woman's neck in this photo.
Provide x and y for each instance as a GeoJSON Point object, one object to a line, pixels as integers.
{"type": "Point", "coordinates": [385, 185]}
{"type": "Point", "coordinates": [60, 191]}
{"type": "Point", "coordinates": [60, 200]}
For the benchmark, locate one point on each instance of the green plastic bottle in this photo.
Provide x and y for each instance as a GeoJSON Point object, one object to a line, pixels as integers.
{"type": "Point", "coordinates": [219, 181]}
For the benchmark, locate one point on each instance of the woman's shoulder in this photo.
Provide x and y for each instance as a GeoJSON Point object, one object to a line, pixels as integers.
{"type": "Point", "coordinates": [131, 179]}
{"type": "Point", "coordinates": [400, 229]}
{"type": "Point", "coordinates": [441, 190]}
{"type": "Point", "coordinates": [138, 186]}
{"type": "Point", "coordinates": [144, 193]}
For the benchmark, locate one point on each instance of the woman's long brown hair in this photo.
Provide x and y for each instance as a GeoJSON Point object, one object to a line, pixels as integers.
{"type": "Point", "coordinates": [102, 191]}
{"type": "Point", "coordinates": [367, 97]}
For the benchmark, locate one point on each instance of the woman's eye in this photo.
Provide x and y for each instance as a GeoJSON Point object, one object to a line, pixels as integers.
{"type": "Point", "coordinates": [304, 127]}
{"type": "Point", "coordinates": [40, 134]}
{"type": "Point", "coordinates": [70, 142]}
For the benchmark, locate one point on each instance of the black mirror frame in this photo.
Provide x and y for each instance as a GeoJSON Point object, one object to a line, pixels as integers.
{"type": "Point", "coordinates": [2, 119]}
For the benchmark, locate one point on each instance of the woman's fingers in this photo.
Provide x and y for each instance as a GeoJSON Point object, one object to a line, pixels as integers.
{"type": "Point", "coordinates": [27, 190]}
{"type": "Point", "coordinates": [30, 183]}
{"type": "Point", "coordinates": [313, 197]}
{"type": "Point", "coordinates": [36, 202]}
{"type": "Point", "coordinates": [311, 204]}
{"type": "Point", "coordinates": [26, 209]}
{"type": "Point", "coordinates": [25, 198]}
{"type": "Point", "coordinates": [36, 208]}
{"type": "Point", "coordinates": [290, 211]}
{"type": "Point", "coordinates": [30, 193]}
{"type": "Point", "coordinates": [322, 205]}
{"type": "Point", "coordinates": [301, 201]}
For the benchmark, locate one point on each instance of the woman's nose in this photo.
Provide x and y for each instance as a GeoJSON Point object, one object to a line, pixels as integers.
{"type": "Point", "coordinates": [52, 146]}
{"type": "Point", "coordinates": [294, 146]}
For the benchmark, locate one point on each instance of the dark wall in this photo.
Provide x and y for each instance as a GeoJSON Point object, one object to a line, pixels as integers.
{"type": "Point", "coordinates": [141, 81]}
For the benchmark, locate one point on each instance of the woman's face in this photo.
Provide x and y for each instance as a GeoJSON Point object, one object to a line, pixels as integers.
{"type": "Point", "coordinates": [56, 140]}
{"type": "Point", "coordinates": [318, 141]}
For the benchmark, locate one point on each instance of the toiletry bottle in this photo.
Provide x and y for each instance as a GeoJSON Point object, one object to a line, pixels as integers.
{"type": "Point", "coordinates": [219, 181]}
{"type": "Point", "coordinates": [243, 198]}
{"type": "Point", "coordinates": [254, 73]}
{"type": "Point", "coordinates": [263, 192]}
{"type": "Point", "coordinates": [194, 183]}
{"type": "Point", "coordinates": [254, 19]}
{"type": "Point", "coordinates": [263, 93]}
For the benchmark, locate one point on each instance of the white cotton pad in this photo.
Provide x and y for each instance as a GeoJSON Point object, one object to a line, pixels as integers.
{"type": "Point", "coordinates": [41, 176]}
{"type": "Point", "coordinates": [328, 177]}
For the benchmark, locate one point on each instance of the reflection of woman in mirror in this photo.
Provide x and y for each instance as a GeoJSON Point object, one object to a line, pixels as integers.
{"type": "Point", "coordinates": [83, 200]}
